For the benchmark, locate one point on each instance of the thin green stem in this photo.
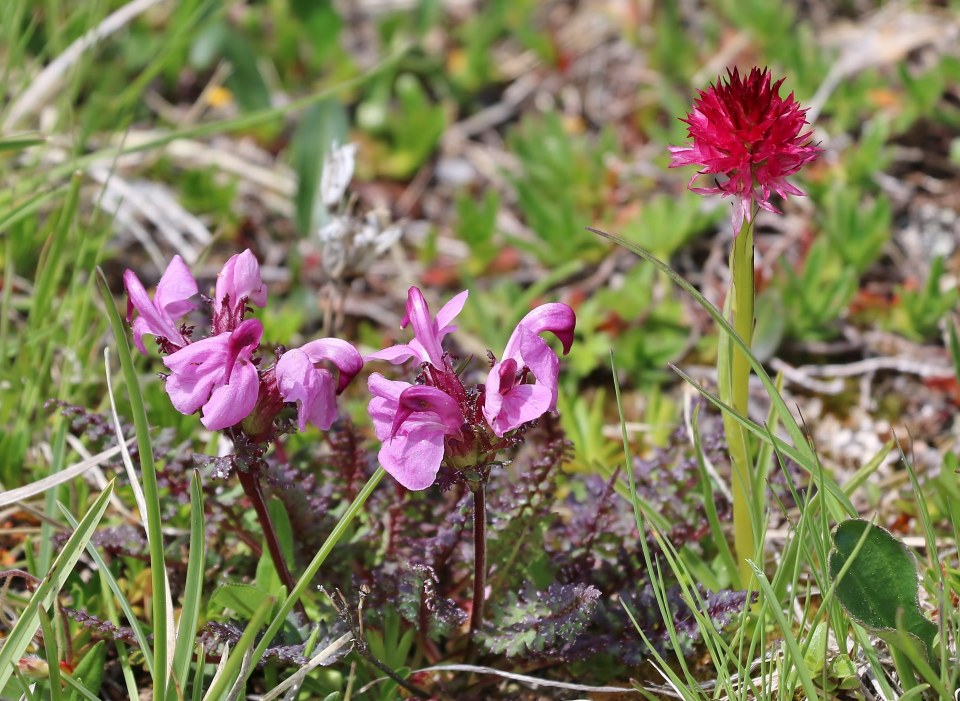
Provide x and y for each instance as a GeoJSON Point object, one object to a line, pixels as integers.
{"type": "Point", "coordinates": [734, 374]}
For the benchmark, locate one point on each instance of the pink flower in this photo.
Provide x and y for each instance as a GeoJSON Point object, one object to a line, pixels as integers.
{"type": "Point", "coordinates": [238, 284]}
{"type": "Point", "coordinates": [428, 332]}
{"type": "Point", "coordinates": [509, 402]}
{"type": "Point", "coordinates": [313, 388]}
{"type": "Point", "coordinates": [412, 423]}
{"type": "Point", "coordinates": [216, 374]}
{"type": "Point", "coordinates": [159, 317]}
{"type": "Point", "coordinates": [745, 132]}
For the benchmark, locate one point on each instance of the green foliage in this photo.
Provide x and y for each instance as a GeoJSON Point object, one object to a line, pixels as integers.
{"type": "Point", "coordinates": [921, 309]}
{"type": "Point", "coordinates": [476, 226]}
{"type": "Point", "coordinates": [560, 187]}
{"type": "Point", "coordinates": [322, 124]}
{"type": "Point", "coordinates": [858, 230]}
{"type": "Point", "coordinates": [666, 223]}
{"type": "Point", "coordinates": [876, 581]}
{"type": "Point", "coordinates": [539, 621]}
{"type": "Point", "coordinates": [407, 122]}
{"type": "Point", "coordinates": [814, 297]}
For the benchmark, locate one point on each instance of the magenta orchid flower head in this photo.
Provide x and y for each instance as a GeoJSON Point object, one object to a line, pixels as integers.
{"type": "Point", "coordinates": [509, 402]}
{"type": "Point", "coordinates": [238, 284]}
{"type": "Point", "coordinates": [744, 132]}
{"type": "Point", "coordinates": [217, 375]}
{"type": "Point", "coordinates": [412, 423]}
{"type": "Point", "coordinates": [314, 388]}
{"type": "Point", "coordinates": [160, 316]}
{"type": "Point", "coordinates": [427, 331]}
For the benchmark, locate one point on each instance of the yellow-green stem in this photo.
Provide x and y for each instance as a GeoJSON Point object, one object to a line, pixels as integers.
{"type": "Point", "coordinates": [734, 379]}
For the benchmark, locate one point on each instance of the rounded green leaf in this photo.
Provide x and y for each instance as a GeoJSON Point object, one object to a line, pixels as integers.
{"type": "Point", "coordinates": [880, 587]}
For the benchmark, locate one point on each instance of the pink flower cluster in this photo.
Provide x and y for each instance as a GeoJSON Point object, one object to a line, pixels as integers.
{"type": "Point", "coordinates": [420, 425]}
{"type": "Point", "coordinates": [745, 133]}
{"type": "Point", "coordinates": [219, 375]}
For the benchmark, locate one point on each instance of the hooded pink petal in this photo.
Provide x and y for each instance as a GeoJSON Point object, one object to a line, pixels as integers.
{"type": "Point", "coordinates": [340, 353]}
{"type": "Point", "coordinates": [428, 332]}
{"type": "Point", "coordinates": [216, 374]}
{"type": "Point", "coordinates": [160, 316]}
{"type": "Point", "coordinates": [311, 388]}
{"type": "Point", "coordinates": [411, 423]}
{"type": "Point", "coordinates": [508, 401]}
{"type": "Point", "coordinates": [238, 284]}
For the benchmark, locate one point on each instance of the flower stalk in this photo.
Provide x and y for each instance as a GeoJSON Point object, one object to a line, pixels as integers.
{"type": "Point", "coordinates": [733, 372]}
{"type": "Point", "coordinates": [251, 487]}
{"type": "Point", "coordinates": [479, 560]}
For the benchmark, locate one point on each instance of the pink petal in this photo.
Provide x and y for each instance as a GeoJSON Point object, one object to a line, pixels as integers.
{"type": "Point", "coordinates": [189, 392]}
{"type": "Point", "coordinates": [449, 311]}
{"type": "Point", "coordinates": [175, 289]}
{"type": "Point", "coordinates": [299, 381]}
{"type": "Point", "coordinates": [432, 407]}
{"type": "Point", "coordinates": [154, 322]}
{"type": "Point", "coordinates": [556, 318]}
{"type": "Point", "coordinates": [241, 343]}
{"type": "Point", "coordinates": [231, 403]}
{"type": "Point", "coordinates": [239, 279]}
{"type": "Point", "coordinates": [190, 359]}
{"type": "Point", "coordinates": [425, 331]}
{"type": "Point", "coordinates": [413, 459]}
{"type": "Point", "coordinates": [521, 404]}
{"type": "Point", "coordinates": [395, 354]}
{"type": "Point", "coordinates": [344, 356]}
{"type": "Point", "coordinates": [384, 403]}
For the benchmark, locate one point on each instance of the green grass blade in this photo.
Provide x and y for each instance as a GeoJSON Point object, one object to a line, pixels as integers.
{"type": "Point", "coordinates": [307, 577]}
{"type": "Point", "coordinates": [796, 657]}
{"type": "Point", "coordinates": [193, 590]}
{"type": "Point", "coordinates": [790, 423]}
{"type": "Point", "coordinates": [161, 620]}
{"type": "Point", "coordinates": [230, 672]}
{"type": "Point", "coordinates": [111, 581]}
{"type": "Point", "coordinates": [16, 643]}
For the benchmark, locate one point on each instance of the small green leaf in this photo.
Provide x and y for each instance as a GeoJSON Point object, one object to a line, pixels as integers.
{"type": "Point", "coordinates": [880, 584]}
{"type": "Point", "coordinates": [242, 598]}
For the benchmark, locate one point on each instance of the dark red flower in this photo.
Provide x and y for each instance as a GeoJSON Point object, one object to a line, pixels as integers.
{"type": "Point", "coordinates": [745, 133]}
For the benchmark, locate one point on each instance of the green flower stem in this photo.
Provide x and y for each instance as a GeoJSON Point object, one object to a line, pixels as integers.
{"type": "Point", "coordinates": [251, 487]}
{"type": "Point", "coordinates": [733, 372]}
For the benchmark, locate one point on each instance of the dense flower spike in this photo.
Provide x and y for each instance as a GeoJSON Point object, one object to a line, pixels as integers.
{"type": "Point", "coordinates": [159, 316]}
{"type": "Point", "coordinates": [749, 138]}
{"type": "Point", "coordinates": [508, 401]}
{"type": "Point", "coordinates": [313, 388]}
{"type": "Point", "coordinates": [238, 283]}
{"type": "Point", "coordinates": [217, 375]}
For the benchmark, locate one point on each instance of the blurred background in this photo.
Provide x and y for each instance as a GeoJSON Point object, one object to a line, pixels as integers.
{"type": "Point", "coordinates": [489, 135]}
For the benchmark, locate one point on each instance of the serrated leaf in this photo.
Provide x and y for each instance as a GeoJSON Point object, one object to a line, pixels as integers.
{"type": "Point", "coordinates": [880, 584]}
{"type": "Point", "coordinates": [539, 622]}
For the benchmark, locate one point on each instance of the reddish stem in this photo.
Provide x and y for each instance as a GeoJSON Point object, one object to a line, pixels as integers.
{"type": "Point", "coordinates": [251, 487]}
{"type": "Point", "coordinates": [479, 561]}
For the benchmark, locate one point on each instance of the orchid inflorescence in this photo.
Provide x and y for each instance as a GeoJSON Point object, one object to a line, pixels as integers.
{"type": "Point", "coordinates": [749, 139]}
{"type": "Point", "coordinates": [420, 425]}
